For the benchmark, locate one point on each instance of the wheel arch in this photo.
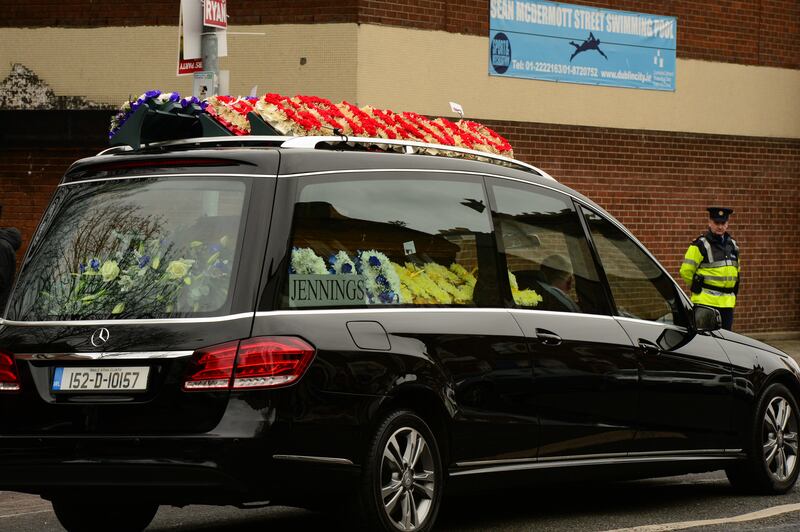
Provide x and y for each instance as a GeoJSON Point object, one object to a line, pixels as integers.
{"type": "Point", "coordinates": [777, 376]}
{"type": "Point", "coordinates": [429, 405]}
{"type": "Point", "coordinates": [785, 377]}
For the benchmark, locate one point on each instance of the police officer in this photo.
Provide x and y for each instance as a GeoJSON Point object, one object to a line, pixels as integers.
{"type": "Point", "coordinates": [711, 266]}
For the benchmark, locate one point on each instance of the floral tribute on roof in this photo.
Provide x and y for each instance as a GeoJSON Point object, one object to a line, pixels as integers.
{"type": "Point", "coordinates": [314, 116]}
{"type": "Point", "coordinates": [311, 115]}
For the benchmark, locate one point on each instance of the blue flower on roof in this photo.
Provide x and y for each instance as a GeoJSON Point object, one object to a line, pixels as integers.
{"type": "Point", "coordinates": [95, 264]}
{"type": "Point", "coordinates": [81, 267]}
{"type": "Point", "coordinates": [144, 261]}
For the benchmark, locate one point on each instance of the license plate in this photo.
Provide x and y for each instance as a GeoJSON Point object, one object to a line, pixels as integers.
{"type": "Point", "coordinates": [128, 379]}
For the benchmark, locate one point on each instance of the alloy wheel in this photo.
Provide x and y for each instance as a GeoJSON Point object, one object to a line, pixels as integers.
{"type": "Point", "coordinates": [780, 438]}
{"type": "Point", "coordinates": [408, 479]}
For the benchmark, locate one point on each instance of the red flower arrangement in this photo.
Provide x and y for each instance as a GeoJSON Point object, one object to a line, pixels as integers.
{"type": "Point", "coordinates": [311, 115]}
{"type": "Point", "coordinates": [231, 112]}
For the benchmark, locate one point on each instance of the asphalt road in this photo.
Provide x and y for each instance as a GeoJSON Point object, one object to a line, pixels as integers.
{"type": "Point", "coordinates": [675, 503]}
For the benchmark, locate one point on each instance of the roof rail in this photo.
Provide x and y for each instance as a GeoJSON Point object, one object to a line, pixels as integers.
{"type": "Point", "coordinates": [240, 140]}
{"type": "Point", "coordinates": [311, 142]}
{"type": "Point", "coordinates": [411, 147]}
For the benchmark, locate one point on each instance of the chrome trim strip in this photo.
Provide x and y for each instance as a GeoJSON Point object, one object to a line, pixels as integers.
{"type": "Point", "coordinates": [157, 321]}
{"type": "Point", "coordinates": [267, 313]}
{"type": "Point", "coordinates": [589, 462]}
{"type": "Point", "coordinates": [556, 313]}
{"type": "Point", "coordinates": [384, 309]}
{"type": "Point", "coordinates": [583, 457]}
{"type": "Point", "coordinates": [496, 462]}
{"type": "Point", "coordinates": [549, 459]}
{"type": "Point", "coordinates": [139, 355]}
{"type": "Point", "coordinates": [148, 176]}
{"type": "Point", "coordinates": [314, 459]}
{"type": "Point", "coordinates": [686, 451]}
{"type": "Point", "coordinates": [398, 170]}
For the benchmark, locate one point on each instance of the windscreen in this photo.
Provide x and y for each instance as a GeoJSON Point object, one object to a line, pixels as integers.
{"type": "Point", "coordinates": [134, 249]}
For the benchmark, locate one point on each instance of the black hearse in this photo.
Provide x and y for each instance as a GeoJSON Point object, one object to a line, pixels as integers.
{"type": "Point", "coordinates": [299, 321]}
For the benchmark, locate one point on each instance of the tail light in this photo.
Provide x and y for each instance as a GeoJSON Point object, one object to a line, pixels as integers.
{"type": "Point", "coordinates": [211, 368]}
{"type": "Point", "coordinates": [272, 361]}
{"type": "Point", "coordinates": [9, 377]}
{"type": "Point", "coordinates": [265, 362]}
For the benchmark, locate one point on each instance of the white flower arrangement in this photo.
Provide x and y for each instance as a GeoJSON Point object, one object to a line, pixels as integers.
{"type": "Point", "coordinates": [380, 277]}
{"type": "Point", "coordinates": [305, 262]}
{"type": "Point", "coordinates": [341, 263]}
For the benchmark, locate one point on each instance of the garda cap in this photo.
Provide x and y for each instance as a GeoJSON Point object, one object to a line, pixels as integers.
{"type": "Point", "coordinates": [719, 214]}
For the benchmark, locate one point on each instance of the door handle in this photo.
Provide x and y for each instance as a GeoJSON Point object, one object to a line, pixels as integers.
{"type": "Point", "coordinates": [548, 337]}
{"type": "Point", "coordinates": [647, 347]}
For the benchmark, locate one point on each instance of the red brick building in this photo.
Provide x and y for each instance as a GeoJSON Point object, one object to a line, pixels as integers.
{"type": "Point", "coordinates": [729, 134]}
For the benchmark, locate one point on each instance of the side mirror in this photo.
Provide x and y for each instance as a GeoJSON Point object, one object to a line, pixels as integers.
{"type": "Point", "coordinates": [706, 319]}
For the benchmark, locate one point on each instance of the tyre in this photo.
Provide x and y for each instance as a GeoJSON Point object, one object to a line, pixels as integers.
{"type": "Point", "coordinates": [772, 452]}
{"type": "Point", "coordinates": [92, 514]}
{"type": "Point", "coordinates": [402, 482]}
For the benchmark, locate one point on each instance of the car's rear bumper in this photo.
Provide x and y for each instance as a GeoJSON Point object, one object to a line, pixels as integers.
{"type": "Point", "coordinates": [167, 470]}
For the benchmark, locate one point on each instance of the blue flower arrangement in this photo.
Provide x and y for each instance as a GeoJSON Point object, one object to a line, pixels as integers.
{"type": "Point", "coordinates": [152, 98]}
{"type": "Point", "coordinates": [381, 279]}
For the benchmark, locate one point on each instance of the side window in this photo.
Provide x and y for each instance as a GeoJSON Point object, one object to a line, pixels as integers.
{"type": "Point", "coordinates": [391, 241]}
{"type": "Point", "coordinates": [641, 289]}
{"type": "Point", "coordinates": [549, 263]}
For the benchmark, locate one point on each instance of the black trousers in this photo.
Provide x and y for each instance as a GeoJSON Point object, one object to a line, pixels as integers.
{"type": "Point", "coordinates": [727, 317]}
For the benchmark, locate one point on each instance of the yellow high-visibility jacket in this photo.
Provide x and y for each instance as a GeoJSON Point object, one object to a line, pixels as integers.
{"type": "Point", "coordinates": [717, 261]}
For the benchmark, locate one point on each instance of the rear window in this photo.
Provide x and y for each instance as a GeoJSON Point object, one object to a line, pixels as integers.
{"type": "Point", "coordinates": [391, 241]}
{"type": "Point", "coordinates": [134, 249]}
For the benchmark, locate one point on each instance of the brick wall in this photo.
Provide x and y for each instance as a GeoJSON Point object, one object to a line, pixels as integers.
{"type": "Point", "coordinates": [736, 31]}
{"type": "Point", "coordinates": [28, 179]}
{"type": "Point", "coordinates": [657, 183]}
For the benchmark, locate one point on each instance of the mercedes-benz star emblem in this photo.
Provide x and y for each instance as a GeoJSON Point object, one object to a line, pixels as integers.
{"type": "Point", "coordinates": [100, 337]}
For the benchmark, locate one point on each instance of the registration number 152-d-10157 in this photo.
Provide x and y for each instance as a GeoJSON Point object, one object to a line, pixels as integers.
{"type": "Point", "coordinates": [100, 379]}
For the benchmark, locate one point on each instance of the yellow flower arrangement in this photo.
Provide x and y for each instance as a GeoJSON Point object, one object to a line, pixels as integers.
{"type": "Point", "coordinates": [434, 284]}
{"type": "Point", "coordinates": [463, 274]}
{"type": "Point", "coordinates": [523, 298]}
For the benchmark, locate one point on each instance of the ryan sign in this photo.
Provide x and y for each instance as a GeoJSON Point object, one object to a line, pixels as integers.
{"type": "Point", "coordinates": [215, 13]}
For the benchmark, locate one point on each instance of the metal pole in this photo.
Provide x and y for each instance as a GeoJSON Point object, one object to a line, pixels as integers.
{"type": "Point", "coordinates": [208, 48]}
